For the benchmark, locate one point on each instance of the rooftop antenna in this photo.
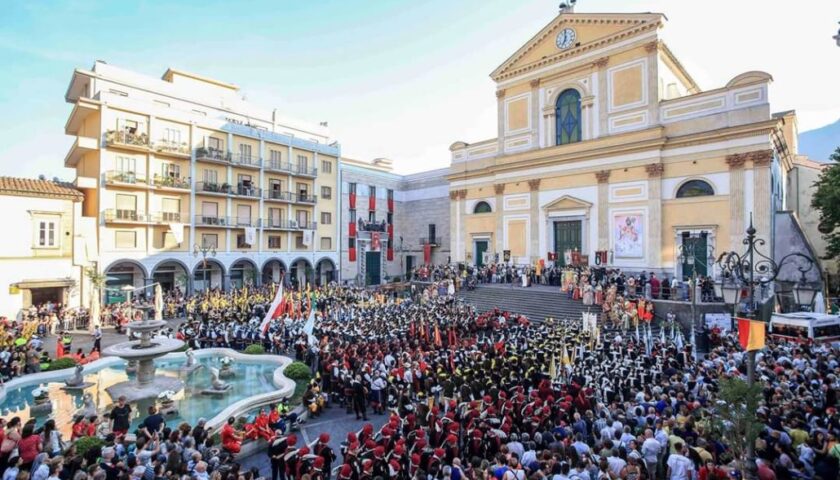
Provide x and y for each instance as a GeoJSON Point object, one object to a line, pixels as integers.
{"type": "Point", "coordinates": [568, 7]}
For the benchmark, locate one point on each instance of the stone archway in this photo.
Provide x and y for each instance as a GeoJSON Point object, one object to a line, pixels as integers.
{"type": "Point", "coordinates": [273, 270]}
{"type": "Point", "coordinates": [325, 272]}
{"type": "Point", "coordinates": [301, 273]}
{"type": "Point", "coordinates": [244, 272]}
{"type": "Point", "coordinates": [121, 273]}
{"type": "Point", "coordinates": [213, 277]}
{"type": "Point", "coordinates": [172, 274]}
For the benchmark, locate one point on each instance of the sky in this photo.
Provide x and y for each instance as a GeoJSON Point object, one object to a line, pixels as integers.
{"type": "Point", "coordinates": [401, 79]}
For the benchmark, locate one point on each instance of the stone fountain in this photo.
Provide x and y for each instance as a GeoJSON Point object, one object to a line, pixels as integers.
{"type": "Point", "coordinates": [143, 352]}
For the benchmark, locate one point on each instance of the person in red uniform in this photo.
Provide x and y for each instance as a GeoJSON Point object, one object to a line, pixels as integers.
{"type": "Point", "coordinates": [231, 439]}
{"type": "Point", "coordinates": [260, 428]}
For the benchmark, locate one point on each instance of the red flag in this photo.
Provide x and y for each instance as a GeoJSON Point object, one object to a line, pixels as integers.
{"type": "Point", "coordinates": [276, 309]}
{"type": "Point", "coordinates": [438, 341]}
{"type": "Point", "coordinates": [351, 254]}
{"type": "Point", "coordinates": [427, 253]}
{"type": "Point", "coordinates": [352, 201]}
{"type": "Point", "coordinates": [751, 334]}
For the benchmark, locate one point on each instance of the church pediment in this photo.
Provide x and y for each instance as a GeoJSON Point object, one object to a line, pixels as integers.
{"type": "Point", "coordinates": [567, 202]}
{"type": "Point", "coordinates": [591, 30]}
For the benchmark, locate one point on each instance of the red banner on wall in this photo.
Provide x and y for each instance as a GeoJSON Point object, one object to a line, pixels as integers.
{"type": "Point", "coordinates": [372, 202]}
{"type": "Point", "coordinates": [391, 205]}
{"type": "Point", "coordinates": [352, 201]}
{"type": "Point", "coordinates": [352, 229]}
{"type": "Point", "coordinates": [427, 253]}
{"type": "Point", "coordinates": [351, 254]}
{"type": "Point", "coordinates": [390, 254]}
{"type": "Point", "coordinates": [391, 231]}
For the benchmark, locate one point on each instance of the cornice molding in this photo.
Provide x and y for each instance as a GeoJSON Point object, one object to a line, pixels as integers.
{"type": "Point", "coordinates": [603, 176]}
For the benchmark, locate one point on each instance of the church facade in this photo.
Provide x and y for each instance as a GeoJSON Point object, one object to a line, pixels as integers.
{"type": "Point", "coordinates": [606, 146]}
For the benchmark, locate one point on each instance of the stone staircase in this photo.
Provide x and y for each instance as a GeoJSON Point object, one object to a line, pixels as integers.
{"type": "Point", "coordinates": [536, 302]}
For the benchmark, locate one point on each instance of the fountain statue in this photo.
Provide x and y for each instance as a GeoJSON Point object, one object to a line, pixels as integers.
{"type": "Point", "coordinates": [167, 403]}
{"type": "Point", "coordinates": [217, 385]}
{"type": "Point", "coordinates": [43, 405]}
{"type": "Point", "coordinates": [143, 352]}
{"type": "Point", "coordinates": [227, 370]}
{"type": "Point", "coordinates": [89, 408]}
{"type": "Point", "coordinates": [191, 365]}
{"type": "Point", "coordinates": [77, 381]}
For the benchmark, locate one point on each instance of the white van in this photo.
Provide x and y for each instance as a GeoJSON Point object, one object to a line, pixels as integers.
{"type": "Point", "coordinates": [806, 327]}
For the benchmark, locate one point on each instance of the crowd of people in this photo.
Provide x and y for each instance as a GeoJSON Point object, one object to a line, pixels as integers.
{"type": "Point", "coordinates": [468, 394]}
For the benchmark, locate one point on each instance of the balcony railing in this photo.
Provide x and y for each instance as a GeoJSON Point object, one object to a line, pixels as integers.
{"type": "Point", "coordinates": [306, 198]}
{"type": "Point", "coordinates": [116, 176]}
{"type": "Point", "coordinates": [121, 137]}
{"type": "Point", "coordinates": [169, 146]}
{"type": "Point", "coordinates": [242, 222]}
{"type": "Point", "coordinates": [120, 215]}
{"type": "Point", "coordinates": [246, 160]}
{"type": "Point", "coordinates": [247, 191]}
{"type": "Point", "coordinates": [284, 224]}
{"type": "Point", "coordinates": [168, 217]}
{"type": "Point", "coordinates": [278, 195]}
{"type": "Point", "coordinates": [211, 221]}
{"type": "Point", "coordinates": [303, 170]}
{"type": "Point", "coordinates": [212, 155]}
{"type": "Point", "coordinates": [278, 166]}
{"type": "Point", "coordinates": [210, 187]}
{"type": "Point", "coordinates": [172, 182]}
{"type": "Point", "coordinates": [365, 226]}
{"type": "Point", "coordinates": [435, 241]}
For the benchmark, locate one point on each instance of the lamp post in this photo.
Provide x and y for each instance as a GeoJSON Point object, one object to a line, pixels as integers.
{"type": "Point", "coordinates": [204, 251]}
{"type": "Point", "coordinates": [738, 271]}
{"type": "Point", "coordinates": [689, 256]}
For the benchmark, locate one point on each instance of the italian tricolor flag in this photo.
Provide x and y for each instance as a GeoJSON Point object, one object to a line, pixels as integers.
{"type": "Point", "coordinates": [751, 334]}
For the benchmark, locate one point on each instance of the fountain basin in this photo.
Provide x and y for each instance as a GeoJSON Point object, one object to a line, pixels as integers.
{"type": "Point", "coordinates": [134, 350]}
{"type": "Point", "coordinates": [144, 352]}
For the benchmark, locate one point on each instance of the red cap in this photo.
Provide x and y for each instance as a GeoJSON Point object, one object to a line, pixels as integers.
{"type": "Point", "coordinates": [367, 428]}
{"type": "Point", "coordinates": [394, 464]}
{"type": "Point", "coordinates": [399, 450]}
{"type": "Point", "coordinates": [367, 465]}
{"type": "Point", "coordinates": [345, 472]}
{"type": "Point", "coordinates": [292, 440]}
{"type": "Point", "coordinates": [324, 438]}
{"type": "Point", "coordinates": [415, 459]}
{"type": "Point", "coordinates": [439, 452]}
{"type": "Point", "coordinates": [304, 451]}
{"type": "Point", "coordinates": [421, 443]}
{"type": "Point", "coordinates": [379, 452]}
{"type": "Point", "coordinates": [452, 439]}
{"type": "Point", "coordinates": [318, 463]}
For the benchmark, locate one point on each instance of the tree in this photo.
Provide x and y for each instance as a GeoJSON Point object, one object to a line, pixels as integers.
{"type": "Point", "coordinates": [734, 421]}
{"type": "Point", "coordinates": [826, 200]}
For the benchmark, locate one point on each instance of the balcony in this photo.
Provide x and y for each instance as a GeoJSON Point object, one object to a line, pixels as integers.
{"type": "Point", "coordinates": [303, 171]}
{"type": "Point", "coordinates": [168, 217]}
{"type": "Point", "coordinates": [171, 147]}
{"type": "Point", "coordinates": [435, 241]}
{"type": "Point", "coordinates": [242, 222]}
{"type": "Point", "coordinates": [307, 199]}
{"type": "Point", "coordinates": [243, 190]}
{"type": "Point", "coordinates": [116, 177]}
{"type": "Point", "coordinates": [212, 155]}
{"type": "Point", "coordinates": [113, 215]}
{"type": "Point", "coordinates": [365, 226]}
{"type": "Point", "coordinates": [278, 196]}
{"type": "Point", "coordinates": [126, 138]}
{"type": "Point", "coordinates": [282, 224]}
{"type": "Point", "coordinates": [211, 188]}
{"type": "Point", "coordinates": [176, 183]}
{"type": "Point", "coordinates": [278, 166]}
{"type": "Point", "coordinates": [210, 221]}
{"type": "Point", "coordinates": [247, 161]}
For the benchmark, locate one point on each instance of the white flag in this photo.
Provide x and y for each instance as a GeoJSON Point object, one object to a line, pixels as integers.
{"type": "Point", "coordinates": [307, 237]}
{"type": "Point", "coordinates": [177, 230]}
{"type": "Point", "coordinates": [250, 235]}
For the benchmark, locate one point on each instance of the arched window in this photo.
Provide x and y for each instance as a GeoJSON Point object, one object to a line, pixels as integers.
{"type": "Point", "coordinates": [695, 188]}
{"type": "Point", "coordinates": [567, 115]}
{"type": "Point", "coordinates": [482, 207]}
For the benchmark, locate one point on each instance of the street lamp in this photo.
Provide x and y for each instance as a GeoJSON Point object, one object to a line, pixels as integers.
{"type": "Point", "coordinates": [739, 270]}
{"type": "Point", "coordinates": [204, 251]}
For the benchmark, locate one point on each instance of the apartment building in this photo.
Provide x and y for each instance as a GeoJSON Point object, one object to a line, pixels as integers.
{"type": "Point", "coordinates": [391, 223]}
{"type": "Point", "coordinates": [194, 187]}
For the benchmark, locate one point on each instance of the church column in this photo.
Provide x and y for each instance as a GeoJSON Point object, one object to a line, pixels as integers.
{"type": "Point", "coordinates": [500, 100]}
{"type": "Point", "coordinates": [603, 178]}
{"type": "Point", "coordinates": [454, 225]}
{"type": "Point", "coordinates": [534, 185]}
{"type": "Point", "coordinates": [535, 114]}
{"type": "Point", "coordinates": [586, 114]}
{"type": "Point", "coordinates": [601, 66]}
{"type": "Point", "coordinates": [499, 188]}
{"type": "Point", "coordinates": [462, 212]}
{"type": "Point", "coordinates": [736, 199]}
{"type": "Point", "coordinates": [654, 224]}
{"type": "Point", "coordinates": [549, 114]}
{"type": "Point", "coordinates": [652, 50]}
{"type": "Point", "coordinates": [762, 192]}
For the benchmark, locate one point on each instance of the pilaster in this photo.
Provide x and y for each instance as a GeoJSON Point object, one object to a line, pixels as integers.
{"type": "Point", "coordinates": [535, 113]}
{"type": "Point", "coordinates": [762, 193]}
{"type": "Point", "coordinates": [534, 185]}
{"type": "Point", "coordinates": [736, 198]}
{"type": "Point", "coordinates": [499, 189]}
{"type": "Point", "coordinates": [454, 224]}
{"type": "Point", "coordinates": [549, 113]}
{"type": "Point", "coordinates": [652, 50]}
{"type": "Point", "coordinates": [192, 142]}
{"type": "Point", "coordinates": [500, 120]}
{"type": "Point", "coordinates": [603, 178]}
{"type": "Point", "coordinates": [654, 171]}
{"type": "Point", "coordinates": [261, 207]}
{"type": "Point", "coordinates": [601, 66]}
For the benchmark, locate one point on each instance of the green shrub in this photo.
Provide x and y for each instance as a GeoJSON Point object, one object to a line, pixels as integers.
{"type": "Point", "coordinates": [298, 371]}
{"type": "Point", "coordinates": [61, 364]}
{"type": "Point", "coordinates": [86, 443]}
{"type": "Point", "coordinates": [254, 349]}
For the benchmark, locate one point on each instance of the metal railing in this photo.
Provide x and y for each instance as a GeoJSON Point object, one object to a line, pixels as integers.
{"type": "Point", "coordinates": [303, 170]}
{"type": "Point", "coordinates": [245, 160]}
{"type": "Point", "coordinates": [373, 226]}
{"type": "Point", "coordinates": [434, 240]}
{"type": "Point", "coordinates": [212, 155]}
{"type": "Point", "coordinates": [278, 166]}
{"type": "Point", "coordinates": [278, 195]}
{"type": "Point", "coordinates": [306, 198]}
{"type": "Point", "coordinates": [168, 217]}
{"type": "Point", "coordinates": [211, 221]}
{"type": "Point", "coordinates": [242, 222]}
{"type": "Point", "coordinates": [120, 215]}
{"type": "Point", "coordinates": [172, 182]}
{"type": "Point", "coordinates": [284, 224]}
{"type": "Point", "coordinates": [117, 176]}
{"type": "Point", "coordinates": [169, 146]}
{"type": "Point", "coordinates": [210, 187]}
{"type": "Point", "coordinates": [117, 137]}
{"type": "Point", "coordinates": [246, 191]}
